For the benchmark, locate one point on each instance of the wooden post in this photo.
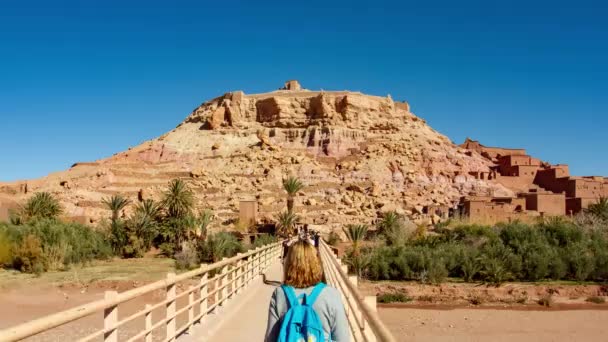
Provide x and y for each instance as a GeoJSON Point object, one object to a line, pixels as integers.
{"type": "Point", "coordinates": [353, 279]}
{"type": "Point", "coordinates": [257, 262]}
{"type": "Point", "coordinates": [221, 294]}
{"type": "Point", "coordinates": [229, 270]}
{"type": "Point", "coordinates": [148, 336]}
{"type": "Point", "coordinates": [370, 301]}
{"type": "Point", "coordinates": [110, 319]}
{"type": "Point", "coordinates": [191, 305]}
{"type": "Point", "coordinates": [238, 275]}
{"type": "Point", "coordinates": [170, 318]}
{"type": "Point", "coordinates": [203, 305]}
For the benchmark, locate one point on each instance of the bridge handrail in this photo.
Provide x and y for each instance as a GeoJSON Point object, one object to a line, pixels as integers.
{"type": "Point", "coordinates": [362, 310]}
{"type": "Point", "coordinates": [245, 272]}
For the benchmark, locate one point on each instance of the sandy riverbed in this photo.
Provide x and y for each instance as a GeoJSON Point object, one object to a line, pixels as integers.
{"type": "Point", "coordinates": [480, 324]}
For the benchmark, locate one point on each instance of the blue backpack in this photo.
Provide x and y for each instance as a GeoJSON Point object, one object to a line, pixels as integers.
{"type": "Point", "coordinates": [301, 323]}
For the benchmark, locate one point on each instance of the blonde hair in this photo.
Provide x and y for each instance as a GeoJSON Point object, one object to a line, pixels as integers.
{"type": "Point", "coordinates": [302, 266]}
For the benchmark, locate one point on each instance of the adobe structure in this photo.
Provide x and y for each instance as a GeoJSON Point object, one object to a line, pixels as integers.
{"type": "Point", "coordinates": [540, 188]}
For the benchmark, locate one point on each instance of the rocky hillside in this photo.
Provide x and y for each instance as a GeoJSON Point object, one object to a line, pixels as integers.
{"type": "Point", "coordinates": [359, 155]}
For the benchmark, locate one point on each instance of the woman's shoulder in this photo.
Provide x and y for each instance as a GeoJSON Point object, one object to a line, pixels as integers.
{"type": "Point", "coordinates": [330, 289]}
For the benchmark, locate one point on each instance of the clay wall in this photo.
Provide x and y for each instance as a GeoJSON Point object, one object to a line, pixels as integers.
{"type": "Point", "coordinates": [6, 206]}
{"type": "Point", "coordinates": [586, 188]}
{"type": "Point", "coordinates": [517, 183]}
{"type": "Point", "coordinates": [546, 203]}
{"type": "Point", "coordinates": [492, 211]}
{"type": "Point", "coordinates": [248, 211]}
{"type": "Point", "coordinates": [492, 152]}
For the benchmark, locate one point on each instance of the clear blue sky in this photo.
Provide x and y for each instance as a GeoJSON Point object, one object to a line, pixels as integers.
{"type": "Point", "coordinates": [82, 80]}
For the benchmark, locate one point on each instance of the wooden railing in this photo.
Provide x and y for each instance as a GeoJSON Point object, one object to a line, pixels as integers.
{"type": "Point", "coordinates": [365, 325]}
{"type": "Point", "coordinates": [230, 276]}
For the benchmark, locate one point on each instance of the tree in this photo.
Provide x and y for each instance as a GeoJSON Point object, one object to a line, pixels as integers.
{"type": "Point", "coordinates": [218, 246]}
{"type": "Point", "coordinates": [355, 234]}
{"type": "Point", "coordinates": [292, 186]}
{"type": "Point", "coordinates": [178, 199]}
{"type": "Point", "coordinates": [286, 223]}
{"type": "Point", "coordinates": [118, 235]}
{"type": "Point", "coordinates": [145, 221]}
{"type": "Point", "coordinates": [599, 208]}
{"type": "Point", "coordinates": [204, 220]}
{"type": "Point", "coordinates": [41, 205]}
{"type": "Point", "coordinates": [389, 221]}
{"type": "Point", "coordinates": [115, 204]}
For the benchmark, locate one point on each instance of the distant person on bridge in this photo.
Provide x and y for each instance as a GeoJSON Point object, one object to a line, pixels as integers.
{"type": "Point", "coordinates": [303, 276]}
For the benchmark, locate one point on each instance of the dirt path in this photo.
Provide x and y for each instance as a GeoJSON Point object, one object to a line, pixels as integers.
{"type": "Point", "coordinates": [409, 324]}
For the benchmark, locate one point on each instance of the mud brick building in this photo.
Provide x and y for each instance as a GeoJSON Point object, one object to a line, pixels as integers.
{"type": "Point", "coordinates": [541, 188]}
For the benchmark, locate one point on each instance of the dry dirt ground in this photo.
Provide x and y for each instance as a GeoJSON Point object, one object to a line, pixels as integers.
{"type": "Point", "coordinates": [451, 317]}
{"type": "Point", "coordinates": [484, 324]}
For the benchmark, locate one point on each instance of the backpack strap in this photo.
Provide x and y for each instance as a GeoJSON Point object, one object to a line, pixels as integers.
{"type": "Point", "coordinates": [291, 295]}
{"type": "Point", "coordinates": [316, 291]}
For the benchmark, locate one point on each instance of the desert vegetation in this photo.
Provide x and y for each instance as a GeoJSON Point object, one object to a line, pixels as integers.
{"type": "Point", "coordinates": [37, 240]}
{"type": "Point", "coordinates": [554, 248]}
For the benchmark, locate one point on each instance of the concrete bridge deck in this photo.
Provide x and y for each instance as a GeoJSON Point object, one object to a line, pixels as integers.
{"type": "Point", "coordinates": [244, 317]}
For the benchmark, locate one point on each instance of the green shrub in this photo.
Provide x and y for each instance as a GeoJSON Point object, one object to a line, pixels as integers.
{"type": "Point", "coordinates": [393, 297]}
{"type": "Point", "coordinates": [263, 240]}
{"type": "Point", "coordinates": [6, 246]}
{"type": "Point", "coordinates": [28, 256]}
{"type": "Point", "coordinates": [552, 249]}
{"type": "Point", "coordinates": [219, 245]}
{"type": "Point", "coordinates": [49, 244]}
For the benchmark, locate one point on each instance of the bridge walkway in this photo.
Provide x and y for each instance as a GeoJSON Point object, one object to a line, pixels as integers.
{"type": "Point", "coordinates": [243, 319]}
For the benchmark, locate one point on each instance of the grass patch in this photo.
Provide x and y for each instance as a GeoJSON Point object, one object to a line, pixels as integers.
{"type": "Point", "coordinates": [394, 298]}
{"type": "Point", "coordinates": [144, 269]}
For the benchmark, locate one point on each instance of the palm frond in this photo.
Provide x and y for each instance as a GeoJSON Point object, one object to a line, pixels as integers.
{"type": "Point", "coordinates": [178, 199]}
{"type": "Point", "coordinates": [292, 185]}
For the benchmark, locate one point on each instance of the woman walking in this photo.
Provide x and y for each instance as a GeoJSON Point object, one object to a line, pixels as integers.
{"type": "Point", "coordinates": [304, 300]}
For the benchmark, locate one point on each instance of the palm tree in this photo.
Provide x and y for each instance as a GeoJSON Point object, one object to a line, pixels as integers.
{"type": "Point", "coordinates": [599, 208]}
{"type": "Point", "coordinates": [145, 219]}
{"type": "Point", "coordinates": [41, 205]}
{"type": "Point", "coordinates": [148, 209]}
{"type": "Point", "coordinates": [389, 221]}
{"type": "Point", "coordinates": [355, 233]}
{"type": "Point", "coordinates": [204, 220]}
{"type": "Point", "coordinates": [286, 223]}
{"type": "Point", "coordinates": [115, 204]}
{"type": "Point", "coordinates": [220, 245]}
{"type": "Point", "coordinates": [292, 185]}
{"type": "Point", "coordinates": [178, 200]}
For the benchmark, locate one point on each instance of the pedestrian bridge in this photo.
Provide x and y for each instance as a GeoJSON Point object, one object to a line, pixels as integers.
{"type": "Point", "coordinates": [224, 301]}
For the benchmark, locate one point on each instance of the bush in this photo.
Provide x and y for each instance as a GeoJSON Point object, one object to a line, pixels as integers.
{"type": "Point", "coordinates": [219, 245]}
{"type": "Point", "coordinates": [6, 253]}
{"type": "Point", "coordinates": [393, 297]}
{"type": "Point", "coordinates": [596, 300]}
{"type": "Point", "coordinates": [187, 258]}
{"type": "Point", "coordinates": [263, 240]}
{"type": "Point", "coordinates": [29, 256]}
{"type": "Point", "coordinates": [333, 238]}
{"type": "Point", "coordinates": [552, 249]}
{"type": "Point", "coordinates": [48, 244]}
{"type": "Point", "coordinates": [546, 300]}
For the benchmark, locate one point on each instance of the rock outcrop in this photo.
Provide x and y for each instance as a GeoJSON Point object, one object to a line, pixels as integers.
{"type": "Point", "coordinates": [359, 155]}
